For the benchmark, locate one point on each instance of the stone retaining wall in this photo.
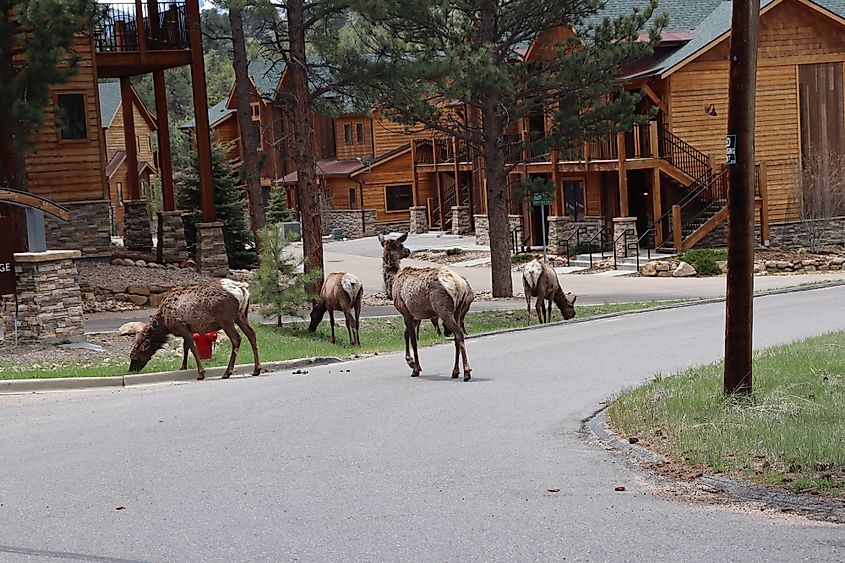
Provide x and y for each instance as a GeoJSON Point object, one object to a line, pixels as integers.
{"type": "Point", "coordinates": [393, 226]}
{"type": "Point", "coordinates": [786, 235]}
{"type": "Point", "coordinates": [211, 249]}
{"type": "Point", "coordinates": [88, 230]}
{"type": "Point", "coordinates": [419, 220]}
{"type": "Point", "coordinates": [482, 228]}
{"type": "Point", "coordinates": [171, 247]}
{"type": "Point", "coordinates": [137, 233]}
{"type": "Point", "coordinates": [350, 220]}
{"type": "Point", "coordinates": [460, 220]}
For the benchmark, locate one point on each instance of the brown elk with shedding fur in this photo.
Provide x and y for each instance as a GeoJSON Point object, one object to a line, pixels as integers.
{"type": "Point", "coordinates": [215, 305]}
{"type": "Point", "coordinates": [540, 280]}
{"type": "Point", "coordinates": [426, 293]}
{"type": "Point", "coordinates": [341, 291]}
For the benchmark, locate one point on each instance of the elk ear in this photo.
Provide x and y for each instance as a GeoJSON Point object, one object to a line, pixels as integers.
{"type": "Point", "coordinates": [381, 239]}
{"type": "Point", "coordinates": [574, 297]}
{"type": "Point", "coordinates": [145, 345]}
{"type": "Point", "coordinates": [402, 238]}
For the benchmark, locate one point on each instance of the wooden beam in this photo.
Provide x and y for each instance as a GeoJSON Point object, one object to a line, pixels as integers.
{"type": "Point", "coordinates": [623, 175]}
{"type": "Point", "coordinates": [657, 206]}
{"type": "Point", "coordinates": [558, 203]}
{"type": "Point", "coordinates": [764, 203]}
{"type": "Point", "coordinates": [203, 137]}
{"type": "Point", "coordinates": [128, 107]}
{"type": "Point", "coordinates": [440, 199]}
{"type": "Point", "coordinates": [415, 176]}
{"type": "Point", "coordinates": [165, 157]}
{"type": "Point", "coordinates": [677, 233]}
{"type": "Point", "coordinates": [705, 229]}
{"type": "Point", "coordinates": [140, 31]}
{"type": "Point", "coordinates": [658, 101]}
{"type": "Point", "coordinates": [26, 199]}
{"type": "Point", "coordinates": [654, 139]}
{"type": "Point", "coordinates": [457, 172]}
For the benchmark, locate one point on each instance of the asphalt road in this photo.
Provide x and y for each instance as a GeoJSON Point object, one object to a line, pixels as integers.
{"type": "Point", "coordinates": [373, 465]}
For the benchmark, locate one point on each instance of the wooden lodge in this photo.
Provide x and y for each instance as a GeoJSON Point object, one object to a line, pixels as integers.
{"type": "Point", "coordinates": [99, 148]}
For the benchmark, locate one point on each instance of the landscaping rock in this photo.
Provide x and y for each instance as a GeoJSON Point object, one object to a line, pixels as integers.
{"type": "Point", "coordinates": [155, 299]}
{"type": "Point", "coordinates": [684, 270]}
{"type": "Point", "coordinates": [128, 262]}
{"type": "Point", "coordinates": [189, 263]}
{"type": "Point", "coordinates": [649, 269]}
{"type": "Point", "coordinates": [117, 262]}
{"type": "Point", "coordinates": [138, 299]}
{"type": "Point", "coordinates": [138, 290]}
{"type": "Point", "coordinates": [662, 266]}
{"type": "Point", "coordinates": [141, 263]}
{"type": "Point", "coordinates": [129, 329]}
{"type": "Point", "coordinates": [723, 266]}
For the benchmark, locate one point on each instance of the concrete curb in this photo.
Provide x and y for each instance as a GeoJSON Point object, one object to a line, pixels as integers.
{"type": "Point", "coordinates": [10, 386]}
{"type": "Point", "coordinates": [816, 508]}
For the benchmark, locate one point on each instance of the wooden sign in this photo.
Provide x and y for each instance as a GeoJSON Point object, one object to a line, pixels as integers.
{"type": "Point", "coordinates": [7, 260]}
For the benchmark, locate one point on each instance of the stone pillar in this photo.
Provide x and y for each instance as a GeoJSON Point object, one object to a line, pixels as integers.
{"type": "Point", "coordinates": [482, 230]}
{"type": "Point", "coordinates": [559, 229]}
{"type": "Point", "coordinates": [7, 317]}
{"type": "Point", "coordinates": [171, 247]}
{"type": "Point", "coordinates": [460, 219]}
{"type": "Point", "coordinates": [419, 219]}
{"type": "Point", "coordinates": [49, 300]}
{"type": "Point", "coordinates": [211, 249]}
{"type": "Point", "coordinates": [370, 220]}
{"type": "Point", "coordinates": [88, 230]}
{"type": "Point", "coordinates": [620, 225]}
{"type": "Point", "coordinates": [137, 234]}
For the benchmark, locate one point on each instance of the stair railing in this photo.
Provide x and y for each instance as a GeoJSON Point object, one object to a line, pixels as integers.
{"type": "Point", "coordinates": [684, 156]}
{"type": "Point", "coordinates": [567, 242]}
{"type": "Point", "coordinates": [628, 237]}
{"type": "Point", "coordinates": [603, 235]}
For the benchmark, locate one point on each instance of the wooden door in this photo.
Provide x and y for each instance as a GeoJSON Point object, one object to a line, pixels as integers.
{"type": "Point", "coordinates": [822, 115]}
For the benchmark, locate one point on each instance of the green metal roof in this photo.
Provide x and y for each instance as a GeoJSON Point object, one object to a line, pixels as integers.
{"type": "Point", "coordinates": [109, 101]}
{"type": "Point", "coordinates": [266, 76]}
{"type": "Point", "coordinates": [215, 113]}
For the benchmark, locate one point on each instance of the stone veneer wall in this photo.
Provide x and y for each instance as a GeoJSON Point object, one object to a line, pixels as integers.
{"type": "Point", "coordinates": [460, 220]}
{"type": "Point", "coordinates": [350, 221]}
{"type": "Point", "coordinates": [482, 228]}
{"type": "Point", "coordinates": [88, 230]}
{"type": "Point", "coordinates": [212, 258]}
{"type": "Point", "coordinates": [620, 225]}
{"type": "Point", "coordinates": [7, 318]}
{"type": "Point", "coordinates": [137, 234]}
{"type": "Point", "coordinates": [393, 227]}
{"type": "Point", "coordinates": [49, 300]}
{"type": "Point", "coordinates": [559, 229]}
{"type": "Point", "coordinates": [419, 220]}
{"type": "Point", "coordinates": [171, 247]}
{"type": "Point", "coordinates": [783, 235]}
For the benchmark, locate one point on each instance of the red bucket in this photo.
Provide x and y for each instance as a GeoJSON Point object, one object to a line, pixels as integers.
{"type": "Point", "coordinates": [204, 344]}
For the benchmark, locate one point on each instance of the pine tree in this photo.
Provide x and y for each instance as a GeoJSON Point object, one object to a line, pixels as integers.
{"type": "Point", "coordinates": [277, 208]}
{"type": "Point", "coordinates": [229, 207]}
{"type": "Point", "coordinates": [471, 54]}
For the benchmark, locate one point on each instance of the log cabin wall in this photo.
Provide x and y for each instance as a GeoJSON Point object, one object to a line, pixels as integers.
{"type": "Point", "coordinates": [71, 170]}
{"type": "Point", "coordinates": [791, 34]}
{"type": "Point", "coordinates": [393, 174]}
{"type": "Point", "coordinates": [145, 138]}
{"type": "Point", "coordinates": [389, 135]}
{"type": "Point", "coordinates": [353, 137]}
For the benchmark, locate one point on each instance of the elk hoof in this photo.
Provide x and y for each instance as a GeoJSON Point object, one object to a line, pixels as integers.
{"type": "Point", "coordinates": [201, 376]}
{"type": "Point", "coordinates": [226, 375]}
{"type": "Point", "coordinates": [467, 375]}
{"type": "Point", "coordinates": [455, 374]}
{"type": "Point", "coordinates": [410, 363]}
{"type": "Point", "coordinates": [415, 373]}
{"type": "Point", "coordinates": [257, 371]}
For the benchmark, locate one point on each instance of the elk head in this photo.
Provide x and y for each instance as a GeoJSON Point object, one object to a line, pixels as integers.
{"type": "Point", "coordinates": [566, 303]}
{"type": "Point", "coordinates": [149, 341]}
{"type": "Point", "coordinates": [394, 250]}
{"type": "Point", "coordinates": [317, 314]}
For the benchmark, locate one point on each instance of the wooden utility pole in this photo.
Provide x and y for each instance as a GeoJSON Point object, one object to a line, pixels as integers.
{"type": "Point", "coordinates": [740, 160]}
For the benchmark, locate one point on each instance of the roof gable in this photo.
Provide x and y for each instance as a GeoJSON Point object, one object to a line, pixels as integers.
{"type": "Point", "coordinates": [110, 101]}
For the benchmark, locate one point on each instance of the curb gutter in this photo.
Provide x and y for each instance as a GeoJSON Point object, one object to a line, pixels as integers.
{"type": "Point", "coordinates": [68, 383]}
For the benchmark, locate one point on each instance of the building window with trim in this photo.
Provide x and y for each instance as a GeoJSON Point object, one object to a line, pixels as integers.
{"type": "Point", "coordinates": [70, 114]}
{"type": "Point", "coordinates": [347, 133]}
{"type": "Point", "coordinates": [398, 198]}
{"type": "Point", "coordinates": [256, 111]}
{"type": "Point", "coordinates": [573, 197]}
{"type": "Point", "coordinates": [359, 130]}
{"type": "Point", "coordinates": [353, 200]}
{"type": "Point", "coordinates": [120, 194]}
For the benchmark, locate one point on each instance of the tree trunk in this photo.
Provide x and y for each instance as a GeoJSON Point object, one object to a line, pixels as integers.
{"type": "Point", "coordinates": [497, 200]}
{"type": "Point", "coordinates": [249, 136]}
{"type": "Point", "coordinates": [307, 190]}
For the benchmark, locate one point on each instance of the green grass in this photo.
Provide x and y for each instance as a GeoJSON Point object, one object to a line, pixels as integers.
{"type": "Point", "coordinates": [791, 433]}
{"type": "Point", "coordinates": [294, 341]}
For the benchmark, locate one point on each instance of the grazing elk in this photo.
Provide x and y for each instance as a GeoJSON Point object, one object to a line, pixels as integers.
{"type": "Point", "coordinates": [426, 293]}
{"type": "Point", "coordinates": [341, 291]}
{"type": "Point", "coordinates": [540, 280]}
{"type": "Point", "coordinates": [211, 306]}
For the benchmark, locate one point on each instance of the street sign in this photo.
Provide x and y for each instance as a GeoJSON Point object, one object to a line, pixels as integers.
{"type": "Point", "coordinates": [730, 149]}
{"type": "Point", "coordinates": [541, 199]}
{"type": "Point", "coordinates": [7, 260]}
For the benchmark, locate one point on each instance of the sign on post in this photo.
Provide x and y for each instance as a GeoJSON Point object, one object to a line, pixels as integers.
{"type": "Point", "coordinates": [541, 199]}
{"type": "Point", "coordinates": [7, 260]}
{"type": "Point", "coordinates": [730, 149]}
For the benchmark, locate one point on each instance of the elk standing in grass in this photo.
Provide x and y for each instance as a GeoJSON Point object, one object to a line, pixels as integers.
{"type": "Point", "coordinates": [540, 280]}
{"type": "Point", "coordinates": [341, 291]}
{"type": "Point", "coordinates": [215, 305]}
{"type": "Point", "coordinates": [426, 293]}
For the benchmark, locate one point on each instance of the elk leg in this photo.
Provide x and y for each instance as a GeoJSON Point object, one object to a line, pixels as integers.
{"type": "Point", "coordinates": [350, 322]}
{"type": "Point", "coordinates": [538, 308]}
{"type": "Point", "coordinates": [331, 318]}
{"type": "Point", "coordinates": [188, 341]}
{"type": "Point", "coordinates": [358, 322]}
{"type": "Point", "coordinates": [235, 339]}
{"type": "Point", "coordinates": [460, 350]}
{"type": "Point", "coordinates": [436, 324]}
{"type": "Point", "coordinates": [409, 328]}
{"type": "Point", "coordinates": [408, 359]}
{"type": "Point", "coordinates": [549, 314]}
{"type": "Point", "coordinates": [528, 305]}
{"type": "Point", "coordinates": [243, 323]}
{"type": "Point", "coordinates": [185, 354]}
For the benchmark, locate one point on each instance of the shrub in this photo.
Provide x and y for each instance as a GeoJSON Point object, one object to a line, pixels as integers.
{"type": "Point", "coordinates": [454, 251]}
{"type": "Point", "coordinates": [704, 260]}
{"type": "Point", "coordinates": [521, 257]}
{"type": "Point", "coordinates": [584, 248]}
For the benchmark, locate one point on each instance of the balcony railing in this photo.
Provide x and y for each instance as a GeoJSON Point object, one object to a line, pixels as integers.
{"type": "Point", "coordinates": [163, 27]}
{"type": "Point", "coordinates": [440, 151]}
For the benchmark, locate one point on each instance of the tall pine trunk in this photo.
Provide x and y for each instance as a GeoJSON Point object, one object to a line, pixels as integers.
{"type": "Point", "coordinates": [497, 200]}
{"type": "Point", "coordinates": [249, 138]}
{"type": "Point", "coordinates": [307, 190]}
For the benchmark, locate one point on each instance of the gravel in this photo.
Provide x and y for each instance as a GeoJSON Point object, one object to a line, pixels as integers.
{"type": "Point", "coordinates": [100, 275]}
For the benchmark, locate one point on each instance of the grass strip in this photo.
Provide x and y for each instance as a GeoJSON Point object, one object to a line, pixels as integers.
{"type": "Point", "coordinates": [790, 433]}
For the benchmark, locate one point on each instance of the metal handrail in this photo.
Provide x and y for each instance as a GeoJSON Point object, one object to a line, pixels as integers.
{"type": "Point", "coordinates": [577, 234]}
{"type": "Point", "coordinates": [624, 237]}
{"type": "Point", "coordinates": [117, 27]}
{"type": "Point", "coordinates": [601, 232]}
{"type": "Point", "coordinates": [684, 156]}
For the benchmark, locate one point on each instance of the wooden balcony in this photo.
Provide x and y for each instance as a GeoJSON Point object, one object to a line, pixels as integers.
{"type": "Point", "coordinates": [140, 37]}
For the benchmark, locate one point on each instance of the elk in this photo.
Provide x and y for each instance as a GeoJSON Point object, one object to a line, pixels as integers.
{"type": "Point", "coordinates": [540, 280]}
{"type": "Point", "coordinates": [341, 291]}
{"type": "Point", "coordinates": [426, 293]}
{"type": "Point", "coordinates": [214, 305]}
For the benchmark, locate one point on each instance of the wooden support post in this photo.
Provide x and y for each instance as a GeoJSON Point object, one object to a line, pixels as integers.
{"type": "Point", "coordinates": [654, 140]}
{"type": "Point", "coordinates": [558, 203]}
{"type": "Point", "coordinates": [623, 175]}
{"type": "Point", "coordinates": [415, 177]}
{"type": "Point", "coordinates": [657, 205]}
{"type": "Point", "coordinates": [155, 28]}
{"type": "Point", "coordinates": [677, 231]}
{"type": "Point", "coordinates": [457, 172]}
{"type": "Point", "coordinates": [128, 107]}
{"type": "Point", "coordinates": [764, 205]}
{"type": "Point", "coordinates": [202, 132]}
{"type": "Point", "coordinates": [442, 222]}
{"type": "Point", "coordinates": [140, 27]}
{"type": "Point", "coordinates": [165, 157]}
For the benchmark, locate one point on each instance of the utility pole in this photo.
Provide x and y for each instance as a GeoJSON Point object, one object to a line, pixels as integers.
{"type": "Point", "coordinates": [740, 283]}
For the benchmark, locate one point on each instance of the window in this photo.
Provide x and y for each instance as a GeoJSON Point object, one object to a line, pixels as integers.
{"type": "Point", "coordinates": [70, 113]}
{"type": "Point", "coordinates": [573, 197]}
{"type": "Point", "coordinates": [398, 198]}
{"type": "Point", "coordinates": [137, 142]}
{"type": "Point", "coordinates": [256, 111]}
{"type": "Point", "coordinates": [144, 189]}
{"type": "Point", "coordinates": [120, 194]}
{"type": "Point", "coordinates": [359, 130]}
{"type": "Point", "coordinates": [353, 201]}
{"type": "Point", "coordinates": [150, 143]}
{"type": "Point", "coordinates": [256, 126]}
{"type": "Point", "coordinates": [347, 133]}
